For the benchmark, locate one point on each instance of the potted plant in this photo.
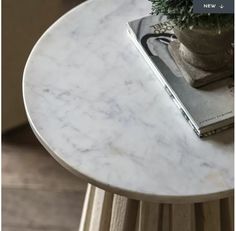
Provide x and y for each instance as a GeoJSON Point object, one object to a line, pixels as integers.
{"type": "Point", "coordinates": [205, 39]}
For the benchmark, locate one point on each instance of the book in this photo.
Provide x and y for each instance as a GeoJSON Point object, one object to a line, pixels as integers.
{"type": "Point", "coordinates": [209, 109]}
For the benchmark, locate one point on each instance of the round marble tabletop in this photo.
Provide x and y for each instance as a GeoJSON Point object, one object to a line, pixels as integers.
{"type": "Point", "coordinates": [97, 107]}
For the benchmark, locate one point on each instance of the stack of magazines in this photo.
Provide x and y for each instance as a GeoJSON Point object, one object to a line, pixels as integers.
{"type": "Point", "coordinates": [209, 109]}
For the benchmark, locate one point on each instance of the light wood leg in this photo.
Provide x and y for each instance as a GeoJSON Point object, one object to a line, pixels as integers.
{"type": "Point", "coordinates": [101, 211]}
{"type": "Point", "coordinates": [227, 214]}
{"type": "Point", "coordinates": [104, 211]}
{"type": "Point", "coordinates": [208, 216]}
{"type": "Point", "coordinates": [149, 216]}
{"type": "Point", "coordinates": [124, 214]}
{"type": "Point", "coordinates": [118, 213]}
{"type": "Point", "coordinates": [166, 217]}
{"type": "Point", "coordinates": [87, 209]}
{"type": "Point", "coordinates": [182, 217]}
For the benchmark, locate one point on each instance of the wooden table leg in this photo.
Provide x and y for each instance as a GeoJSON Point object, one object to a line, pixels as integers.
{"type": "Point", "coordinates": [149, 216]}
{"type": "Point", "coordinates": [183, 217]}
{"type": "Point", "coordinates": [227, 214]}
{"type": "Point", "coordinates": [104, 211]}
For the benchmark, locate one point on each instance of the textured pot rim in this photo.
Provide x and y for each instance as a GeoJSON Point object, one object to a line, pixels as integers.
{"type": "Point", "coordinates": [206, 30]}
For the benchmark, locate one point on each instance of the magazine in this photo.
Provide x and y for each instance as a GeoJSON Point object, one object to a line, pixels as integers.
{"type": "Point", "coordinates": [209, 109]}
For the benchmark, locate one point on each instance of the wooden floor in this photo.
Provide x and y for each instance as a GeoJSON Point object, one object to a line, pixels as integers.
{"type": "Point", "coordinates": [37, 193]}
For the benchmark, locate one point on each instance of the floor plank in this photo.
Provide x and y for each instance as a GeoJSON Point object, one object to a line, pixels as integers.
{"type": "Point", "coordinates": [37, 193]}
{"type": "Point", "coordinates": [23, 207]}
{"type": "Point", "coordinates": [25, 163]}
{"type": "Point", "coordinates": [13, 228]}
{"type": "Point", "coordinates": [32, 167]}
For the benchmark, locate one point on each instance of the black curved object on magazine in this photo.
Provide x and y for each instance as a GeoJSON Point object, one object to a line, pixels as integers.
{"type": "Point", "coordinates": [165, 38]}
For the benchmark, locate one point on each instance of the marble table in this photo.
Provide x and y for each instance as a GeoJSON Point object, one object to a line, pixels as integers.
{"type": "Point", "coordinates": [100, 111]}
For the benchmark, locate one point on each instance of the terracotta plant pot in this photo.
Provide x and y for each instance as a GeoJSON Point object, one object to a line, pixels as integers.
{"type": "Point", "coordinates": [206, 49]}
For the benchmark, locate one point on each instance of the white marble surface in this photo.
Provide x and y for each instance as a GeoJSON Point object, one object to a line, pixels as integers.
{"type": "Point", "coordinates": [98, 108]}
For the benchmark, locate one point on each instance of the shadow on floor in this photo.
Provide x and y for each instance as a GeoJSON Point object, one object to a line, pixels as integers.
{"type": "Point", "coordinates": [37, 193]}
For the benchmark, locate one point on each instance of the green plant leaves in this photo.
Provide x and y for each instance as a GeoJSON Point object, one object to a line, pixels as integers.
{"type": "Point", "coordinates": [181, 13]}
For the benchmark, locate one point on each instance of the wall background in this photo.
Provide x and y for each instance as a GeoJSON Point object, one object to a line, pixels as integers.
{"type": "Point", "coordinates": [23, 22]}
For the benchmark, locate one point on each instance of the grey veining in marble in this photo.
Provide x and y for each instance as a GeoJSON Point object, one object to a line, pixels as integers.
{"type": "Point", "coordinates": [98, 108]}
